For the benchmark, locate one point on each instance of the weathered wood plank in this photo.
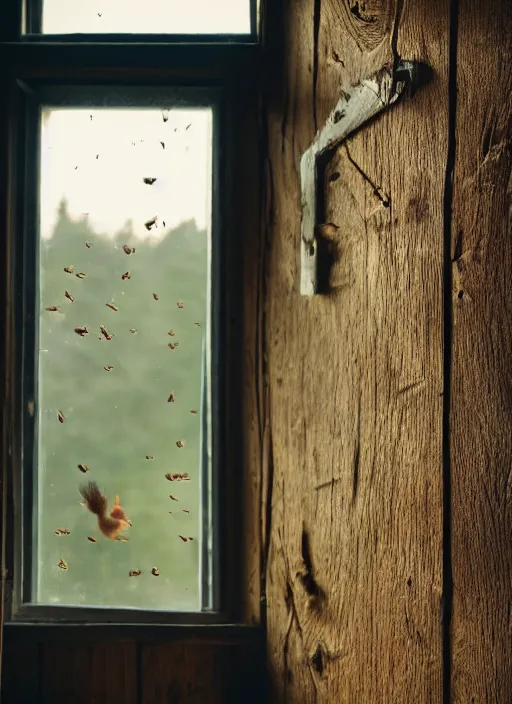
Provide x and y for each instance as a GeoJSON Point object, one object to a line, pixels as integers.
{"type": "Point", "coordinates": [202, 674]}
{"type": "Point", "coordinates": [173, 672]}
{"type": "Point", "coordinates": [75, 672]}
{"type": "Point", "coordinates": [113, 674]}
{"type": "Point", "coordinates": [20, 673]}
{"type": "Point", "coordinates": [481, 391]}
{"type": "Point", "coordinates": [240, 675]}
{"type": "Point", "coordinates": [247, 194]}
{"type": "Point", "coordinates": [354, 577]}
{"type": "Point", "coordinates": [66, 671]}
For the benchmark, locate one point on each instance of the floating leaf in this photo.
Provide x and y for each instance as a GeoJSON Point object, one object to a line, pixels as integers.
{"type": "Point", "coordinates": [126, 275]}
{"type": "Point", "coordinates": [171, 398]}
{"type": "Point", "coordinates": [194, 412]}
{"type": "Point", "coordinates": [149, 457]}
{"type": "Point", "coordinates": [89, 244]}
{"type": "Point", "coordinates": [185, 540]}
{"type": "Point", "coordinates": [185, 510]}
{"type": "Point", "coordinates": [173, 345]}
{"type": "Point", "coordinates": [149, 223]}
{"type": "Point", "coordinates": [69, 296]}
{"type": "Point", "coordinates": [60, 416]}
{"type": "Point", "coordinates": [69, 269]}
{"type": "Point", "coordinates": [128, 250]}
{"type": "Point", "coordinates": [155, 572]}
{"type": "Point", "coordinates": [52, 309]}
{"type": "Point", "coordinates": [180, 443]}
{"type": "Point", "coordinates": [62, 564]}
{"type": "Point", "coordinates": [155, 296]}
{"type": "Point", "coordinates": [62, 531]}
{"type": "Point", "coordinates": [82, 331]}
{"type": "Point", "coordinates": [133, 330]}
{"type": "Point", "coordinates": [91, 539]}
{"type": "Point", "coordinates": [105, 333]}
{"type": "Point", "coordinates": [135, 573]}
{"type": "Point", "coordinates": [112, 306]}
{"type": "Point", "coordinates": [81, 275]}
{"type": "Point", "coordinates": [177, 477]}
{"type": "Point", "coordinates": [83, 468]}
{"type": "Point", "coordinates": [165, 115]}
{"type": "Point", "coordinates": [173, 497]}
{"type": "Point", "coordinates": [108, 368]}
{"type": "Point", "coordinates": [180, 304]}
{"type": "Point", "coordinates": [149, 181]}
{"type": "Point", "coordinates": [171, 333]}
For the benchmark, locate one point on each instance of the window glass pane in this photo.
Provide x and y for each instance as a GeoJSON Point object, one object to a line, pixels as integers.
{"type": "Point", "coordinates": [123, 384]}
{"type": "Point", "coordinates": [148, 17]}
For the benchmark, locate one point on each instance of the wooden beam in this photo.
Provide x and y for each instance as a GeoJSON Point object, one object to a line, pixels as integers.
{"type": "Point", "coordinates": [481, 389]}
{"type": "Point", "coordinates": [354, 575]}
{"type": "Point", "coordinates": [78, 672]}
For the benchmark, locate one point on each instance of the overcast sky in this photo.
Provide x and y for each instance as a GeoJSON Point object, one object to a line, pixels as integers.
{"type": "Point", "coordinates": [97, 160]}
{"type": "Point", "coordinates": [147, 16]}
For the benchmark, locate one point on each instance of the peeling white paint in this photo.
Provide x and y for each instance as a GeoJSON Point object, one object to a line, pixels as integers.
{"type": "Point", "coordinates": [353, 109]}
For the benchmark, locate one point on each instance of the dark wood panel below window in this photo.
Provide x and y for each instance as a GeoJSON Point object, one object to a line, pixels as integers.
{"type": "Point", "coordinates": [217, 670]}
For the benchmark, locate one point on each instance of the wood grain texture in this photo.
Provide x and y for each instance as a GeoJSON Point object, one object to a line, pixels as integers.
{"type": "Point", "coordinates": [481, 401]}
{"type": "Point", "coordinates": [354, 575]}
{"type": "Point", "coordinates": [247, 195]}
{"type": "Point", "coordinates": [20, 673]}
{"type": "Point", "coordinates": [240, 675]}
{"type": "Point", "coordinates": [198, 674]}
{"type": "Point", "coordinates": [89, 673]}
{"type": "Point", "coordinates": [164, 675]}
{"type": "Point", "coordinates": [186, 669]}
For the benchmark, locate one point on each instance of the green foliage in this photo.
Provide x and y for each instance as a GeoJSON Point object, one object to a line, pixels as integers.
{"type": "Point", "coordinates": [113, 419]}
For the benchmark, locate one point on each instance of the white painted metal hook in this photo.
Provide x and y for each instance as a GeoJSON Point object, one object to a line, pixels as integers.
{"type": "Point", "coordinates": [353, 109]}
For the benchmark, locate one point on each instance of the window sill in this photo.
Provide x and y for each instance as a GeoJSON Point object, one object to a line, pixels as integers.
{"type": "Point", "coordinates": [102, 632]}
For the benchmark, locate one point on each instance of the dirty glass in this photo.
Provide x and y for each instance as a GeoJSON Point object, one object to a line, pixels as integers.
{"type": "Point", "coordinates": [148, 17]}
{"type": "Point", "coordinates": [123, 357]}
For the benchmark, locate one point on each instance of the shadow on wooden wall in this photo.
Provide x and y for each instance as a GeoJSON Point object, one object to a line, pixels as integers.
{"type": "Point", "coordinates": [52, 669]}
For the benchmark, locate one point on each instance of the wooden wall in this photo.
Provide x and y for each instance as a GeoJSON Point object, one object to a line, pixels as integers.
{"type": "Point", "coordinates": [390, 398]}
{"type": "Point", "coordinates": [378, 416]}
{"type": "Point", "coordinates": [51, 667]}
{"type": "Point", "coordinates": [481, 384]}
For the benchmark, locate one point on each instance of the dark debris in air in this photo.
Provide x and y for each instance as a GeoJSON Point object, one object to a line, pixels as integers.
{"type": "Point", "coordinates": [152, 221]}
{"type": "Point", "coordinates": [83, 331]}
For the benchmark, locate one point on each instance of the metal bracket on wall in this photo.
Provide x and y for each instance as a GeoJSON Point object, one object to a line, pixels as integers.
{"type": "Point", "coordinates": [353, 109]}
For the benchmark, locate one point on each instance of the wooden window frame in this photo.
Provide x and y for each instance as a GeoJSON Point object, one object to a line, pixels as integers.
{"type": "Point", "coordinates": [232, 68]}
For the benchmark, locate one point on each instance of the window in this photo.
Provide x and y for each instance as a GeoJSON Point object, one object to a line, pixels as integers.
{"type": "Point", "coordinates": [233, 20]}
{"type": "Point", "coordinates": [126, 310]}
{"type": "Point", "coordinates": [151, 17]}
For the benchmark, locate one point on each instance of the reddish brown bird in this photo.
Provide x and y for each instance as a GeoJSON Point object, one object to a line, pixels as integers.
{"type": "Point", "coordinates": [111, 525]}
